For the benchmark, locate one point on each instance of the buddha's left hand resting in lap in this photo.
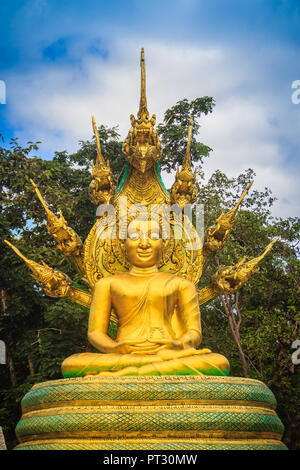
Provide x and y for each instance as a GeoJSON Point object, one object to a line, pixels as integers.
{"type": "Point", "coordinates": [158, 319]}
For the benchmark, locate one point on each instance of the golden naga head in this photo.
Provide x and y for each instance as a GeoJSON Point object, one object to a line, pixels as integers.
{"type": "Point", "coordinates": [67, 240]}
{"type": "Point", "coordinates": [142, 146]}
{"type": "Point", "coordinates": [184, 190]}
{"type": "Point", "coordinates": [102, 187]}
{"type": "Point", "coordinates": [229, 279]}
{"type": "Point", "coordinates": [55, 283]}
{"type": "Point", "coordinates": [216, 235]}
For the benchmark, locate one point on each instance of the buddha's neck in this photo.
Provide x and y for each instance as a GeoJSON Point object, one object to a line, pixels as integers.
{"type": "Point", "coordinates": [143, 272]}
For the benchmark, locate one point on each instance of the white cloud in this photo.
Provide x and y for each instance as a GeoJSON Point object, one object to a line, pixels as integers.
{"type": "Point", "coordinates": [252, 118]}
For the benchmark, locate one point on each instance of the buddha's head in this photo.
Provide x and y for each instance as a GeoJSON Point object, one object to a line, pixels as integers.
{"type": "Point", "coordinates": [144, 245]}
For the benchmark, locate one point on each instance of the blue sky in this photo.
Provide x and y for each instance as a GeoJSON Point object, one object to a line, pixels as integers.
{"type": "Point", "coordinates": [65, 60]}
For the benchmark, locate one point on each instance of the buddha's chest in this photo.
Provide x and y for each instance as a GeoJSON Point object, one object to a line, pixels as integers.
{"type": "Point", "coordinates": [154, 292]}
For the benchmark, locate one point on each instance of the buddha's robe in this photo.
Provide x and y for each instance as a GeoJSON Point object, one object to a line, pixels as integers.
{"type": "Point", "coordinates": [152, 312]}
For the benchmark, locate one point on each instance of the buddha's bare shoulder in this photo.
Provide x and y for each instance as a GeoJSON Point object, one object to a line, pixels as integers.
{"type": "Point", "coordinates": [176, 279]}
{"type": "Point", "coordinates": [105, 281]}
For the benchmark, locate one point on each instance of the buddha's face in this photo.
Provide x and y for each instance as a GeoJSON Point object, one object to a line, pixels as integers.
{"type": "Point", "coordinates": [143, 245]}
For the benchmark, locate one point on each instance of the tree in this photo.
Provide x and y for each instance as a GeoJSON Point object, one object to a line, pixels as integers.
{"type": "Point", "coordinates": [173, 132]}
{"type": "Point", "coordinates": [261, 320]}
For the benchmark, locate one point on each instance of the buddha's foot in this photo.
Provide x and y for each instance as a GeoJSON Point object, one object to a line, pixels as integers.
{"type": "Point", "coordinates": [166, 362]}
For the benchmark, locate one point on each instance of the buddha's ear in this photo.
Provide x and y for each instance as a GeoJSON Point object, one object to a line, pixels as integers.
{"type": "Point", "coordinates": [164, 243]}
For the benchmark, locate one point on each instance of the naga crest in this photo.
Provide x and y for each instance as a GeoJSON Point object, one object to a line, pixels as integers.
{"type": "Point", "coordinates": [142, 146]}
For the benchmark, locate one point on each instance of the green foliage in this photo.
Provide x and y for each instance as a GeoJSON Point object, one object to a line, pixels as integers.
{"type": "Point", "coordinates": [173, 132]}
{"type": "Point", "coordinates": [39, 332]}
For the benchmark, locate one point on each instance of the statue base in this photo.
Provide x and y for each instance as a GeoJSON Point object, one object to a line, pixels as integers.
{"type": "Point", "coordinates": [150, 413]}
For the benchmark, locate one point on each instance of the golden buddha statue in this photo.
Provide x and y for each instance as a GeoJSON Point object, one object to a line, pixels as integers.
{"type": "Point", "coordinates": [158, 319]}
{"type": "Point", "coordinates": [145, 280]}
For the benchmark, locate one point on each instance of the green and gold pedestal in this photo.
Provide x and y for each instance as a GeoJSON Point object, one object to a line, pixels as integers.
{"type": "Point", "coordinates": [150, 413]}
